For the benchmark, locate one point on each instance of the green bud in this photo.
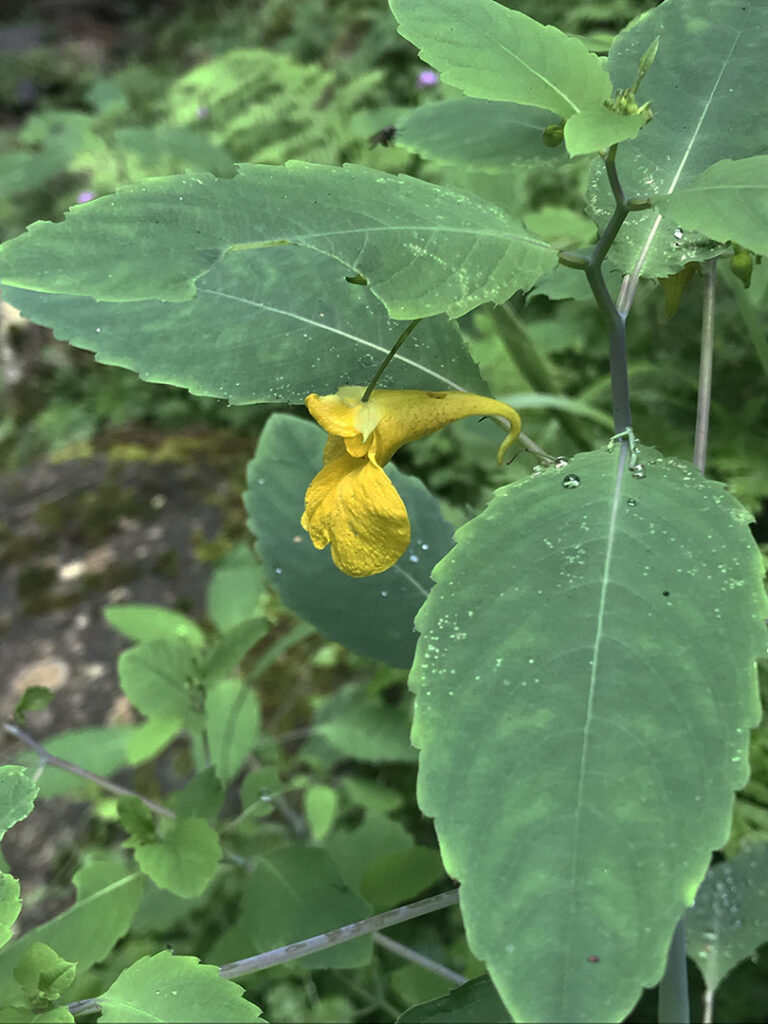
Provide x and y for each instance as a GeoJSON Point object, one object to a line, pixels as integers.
{"type": "Point", "coordinates": [553, 135]}
{"type": "Point", "coordinates": [741, 265]}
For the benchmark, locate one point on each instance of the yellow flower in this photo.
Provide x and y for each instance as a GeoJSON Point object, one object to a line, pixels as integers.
{"type": "Point", "coordinates": [352, 504]}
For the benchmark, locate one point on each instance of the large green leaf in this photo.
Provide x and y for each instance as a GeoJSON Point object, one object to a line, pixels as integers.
{"type": "Point", "coordinates": [267, 326]}
{"type": "Point", "coordinates": [168, 989]}
{"type": "Point", "coordinates": [729, 920]}
{"type": "Point", "coordinates": [423, 249]}
{"type": "Point", "coordinates": [107, 898]}
{"type": "Point", "coordinates": [728, 201]}
{"type": "Point", "coordinates": [480, 134]}
{"type": "Point", "coordinates": [585, 684]}
{"type": "Point", "coordinates": [493, 53]}
{"type": "Point", "coordinates": [709, 94]}
{"type": "Point", "coordinates": [372, 615]}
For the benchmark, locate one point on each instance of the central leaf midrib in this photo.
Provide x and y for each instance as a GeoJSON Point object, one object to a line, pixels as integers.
{"type": "Point", "coordinates": [588, 714]}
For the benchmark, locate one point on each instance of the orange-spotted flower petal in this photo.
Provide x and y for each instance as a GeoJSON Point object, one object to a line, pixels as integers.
{"type": "Point", "coordinates": [353, 505]}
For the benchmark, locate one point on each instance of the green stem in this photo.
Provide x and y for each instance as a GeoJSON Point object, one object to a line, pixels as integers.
{"type": "Point", "coordinates": [388, 359]}
{"type": "Point", "coordinates": [616, 322]}
{"type": "Point", "coordinates": [592, 265]}
{"type": "Point", "coordinates": [674, 1007]}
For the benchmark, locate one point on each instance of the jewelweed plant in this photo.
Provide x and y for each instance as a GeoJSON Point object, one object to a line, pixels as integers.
{"type": "Point", "coordinates": [584, 667]}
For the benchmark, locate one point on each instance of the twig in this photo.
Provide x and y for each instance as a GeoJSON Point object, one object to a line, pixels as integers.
{"type": "Point", "coordinates": [295, 950]}
{"type": "Point", "coordinates": [701, 432]}
{"type": "Point", "coordinates": [47, 758]}
{"type": "Point", "coordinates": [418, 958]}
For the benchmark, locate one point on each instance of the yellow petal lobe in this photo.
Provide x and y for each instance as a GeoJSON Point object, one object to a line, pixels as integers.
{"type": "Point", "coordinates": [408, 415]}
{"type": "Point", "coordinates": [352, 505]}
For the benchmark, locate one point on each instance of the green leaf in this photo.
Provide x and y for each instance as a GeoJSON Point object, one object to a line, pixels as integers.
{"type": "Point", "coordinates": [225, 654]}
{"type": "Point", "coordinates": [480, 134]}
{"type": "Point", "coordinates": [201, 797]}
{"type": "Point", "coordinates": [10, 905]}
{"type": "Point", "coordinates": [729, 920]}
{"type": "Point", "coordinates": [598, 128]}
{"type": "Point", "coordinates": [34, 698]}
{"type": "Point", "coordinates": [173, 990]}
{"type": "Point", "coordinates": [102, 751]}
{"type": "Point", "coordinates": [155, 675]}
{"type": "Point", "coordinates": [295, 893]}
{"type": "Point", "coordinates": [493, 53]}
{"type": "Point", "coordinates": [373, 615]}
{"type": "Point", "coordinates": [320, 806]}
{"type": "Point", "coordinates": [237, 589]}
{"type": "Point", "coordinates": [423, 249]}
{"type": "Point", "coordinates": [364, 726]}
{"type": "Point", "coordinates": [184, 860]}
{"type": "Point", "coordinates": [107, 898]}
{"type": "Point", "coordinates": [477, 1002]}
{"type": "Point", "coordinates": [357, 850]}
{"type": "Point", "coordinates": [585, 686]}
{"type": "Point", "coordinates": [153, 622]}
{"type": "Point", "coordinates": [728, 201]}
{"type": "Point", "coordinates": [17, 795]}
{"type": "Point", "coordinates": [401, 876]}
{"type": "Point", "coordinates": [23, 1014]}
{"type": "Point", "coordinates": [137, 819]}
{"type": "Point", "coordinates": [232, 718]}
{"type": "Point", "coordinates": [42, 974]}
{"type": "Point", "coordinates": [708, 106]}
{"type": "Point", "coordinates": [230, 343]}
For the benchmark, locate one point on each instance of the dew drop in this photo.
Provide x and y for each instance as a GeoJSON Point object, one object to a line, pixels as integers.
{"type": "Point", "coordinates": [536, 470]}
{"type": "Point", "coordinates": [561, 462]}
{"type": "Point", "coordinates": [278, 570]}
{"type": "Point", "coordinates": [384, 593]}
{"type": "Point", "coordinates": [413, 558]}
{"type": "Point", "coordinates": [631, 502]}
{"type": "Point", "coordinates": [571, 481]}
{"type": "Point", "coordinates": [638, 471]}
{"type": "Point", "coordinates": [678, 232]}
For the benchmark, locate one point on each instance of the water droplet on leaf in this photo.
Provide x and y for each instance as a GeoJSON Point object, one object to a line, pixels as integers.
{"type": "Point", "coordinates": [571, 481]}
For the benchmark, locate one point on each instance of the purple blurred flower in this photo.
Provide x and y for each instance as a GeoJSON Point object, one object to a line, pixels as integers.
{"type": "Point", "coordinates": [428, 78]}
{"type": "Point", "coordinates": [86, 196]}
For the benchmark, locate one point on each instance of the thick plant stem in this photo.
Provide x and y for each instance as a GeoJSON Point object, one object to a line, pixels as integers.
{"type": "Point", "coordinates": [701, 432]}
{"type": "Point", "coordinates": [388, 359]}
{"type": "Point", "coordinates": [674, 1006]}
{"type": "Point", "coordinates": [616, 321]}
